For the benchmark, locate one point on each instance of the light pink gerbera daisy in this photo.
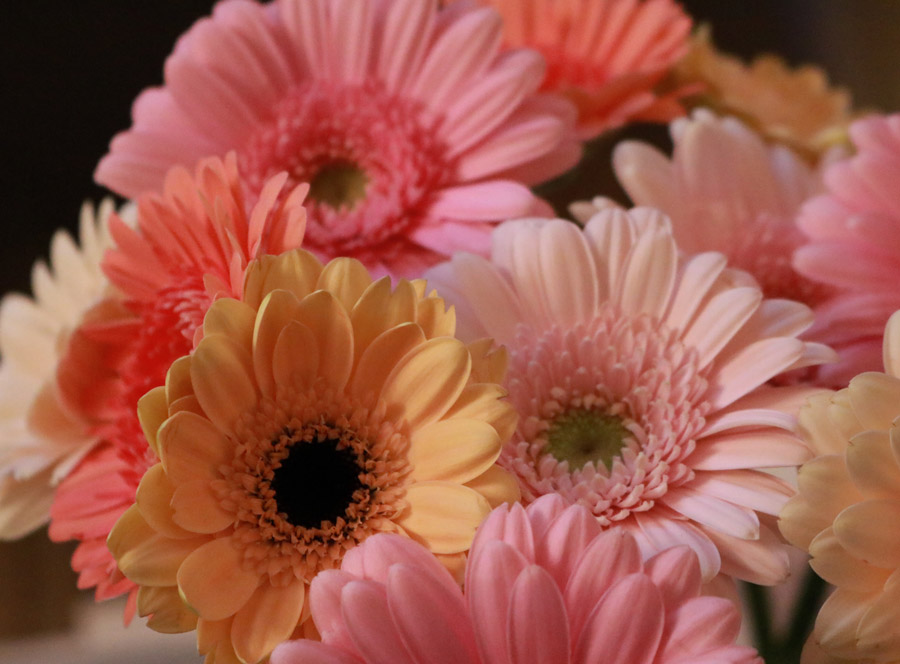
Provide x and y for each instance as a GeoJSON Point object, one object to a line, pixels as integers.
{"type": "Point", "coordinates": [415, 133]}
{"type": "Point", "coordinates": [544, 585]}
{"type": "Point", "coordinates": [640, 381]}
{"type": "Point", "coordinates": [854, 246]}
{"type": "Point", "coordinates": [191, 245]}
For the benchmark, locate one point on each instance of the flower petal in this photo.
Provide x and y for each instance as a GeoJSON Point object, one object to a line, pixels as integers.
{"type": "Point", "coordinates": [443, 515]}
{"type": "Point", "coordinates": [268, 618]}
{"type": "Point", "coordinates": [213, 581]}
{"type": "Point", "coordinates": [453, 450]}
{"type": "Point", "coordinates": [223, 380]}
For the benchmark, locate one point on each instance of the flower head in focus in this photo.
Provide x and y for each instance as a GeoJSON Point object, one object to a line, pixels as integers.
{"type": "Point", "coordinates": [607, 56]}
{"type": "Point", "coordinates": [321, 409]}
{"type": "Point", "coordinates": [848, 510]}
{"type": "Point", "coordinates": [41, 437]}
{"type": "Point", "coordinates": [640, 379]}
{"type": "Point", "coordinates": [852, 246]}
{"type": "Point", "coordinates": [191, 245]}
{"type": "Point", "coordinates": [543, 584]}
{"type": "Point", "coordinates": [414, 132]}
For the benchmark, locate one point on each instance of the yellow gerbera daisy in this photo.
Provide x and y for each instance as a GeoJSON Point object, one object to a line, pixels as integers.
{"type": "Point", "coordinates": [321, 409]}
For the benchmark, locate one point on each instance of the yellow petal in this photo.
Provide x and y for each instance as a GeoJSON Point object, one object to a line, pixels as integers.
{"type": "Point", "coordinates": [382, 355]}
{"type": "Point", "coordinates": [878, 634]}
{"type": "Point", "coordinates": [346, 279]}
{"type": "Point", "coordinates": [892, 345]}
{"type": "Point", "coordinates": [168, 614]}
{"type": "Point", "coordinates": [153, 498]}
{"type": "Point", "coordinates": [435, 319]}
{"type": "Point", "coordinates": [497, 485]}
{"type": "Point", "coordinates": [833, 563]}
{"type": "Point", "coordinates": [267, 619]}
{"type": "Point", "coordinates": [277, 311]}
{"type": "Point", "coordinates": [872, 466]}
{"type": "Point", "coordinates": [876, 399]}
{"type": "Point", "coordinates": [222, 376]}
{"type": "Point", "coordinates": [427, 381]}
{"type": "Point", "coordinates": [295, 360]}
{"type": "Point", "coordinates": [152, 412]}
{"type": "Point", "coordinates": [211, 632]}
{"type": "Point", "coordinates": [443, 515]}
{"type": "Point", "coordinates": [330, 324]}
{"type": "Point", "coordinates": [295, 271]}
{"type": "Point", "coordinates": [879, 546]}
{"type": "Point", "coordinates": [187, 404]}
{"type": "Point", "coordinates": [178, 379]}
{"type": "Point", "coordinates": [198, 509]}
{"type": "Point", "coordinates": [454, 450]}
{"type": "Point", "coordinates": [379, 309]}
{"type": "Point", "coordinates": [482, 401]}
{"type": "Point", "coordinates": [488, 362]}
{"type": "Point", "coordinates": [191, 448]}
{"type": "Point", "coordinates": [232, 318]}
{"type": "Point", "coordinates": [213, 582]}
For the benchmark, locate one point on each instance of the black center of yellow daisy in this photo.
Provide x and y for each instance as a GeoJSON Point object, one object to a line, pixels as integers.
{"type": "Point", "coordinates": [339, 184]}
{"type": "Point", "coordinates": [580, 436]}
{"type": "Point", "coordinates": [316, 482]}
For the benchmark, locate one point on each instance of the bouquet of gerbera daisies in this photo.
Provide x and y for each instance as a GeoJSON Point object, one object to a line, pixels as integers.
{"type": "Point", "coordinates": [335, 386]}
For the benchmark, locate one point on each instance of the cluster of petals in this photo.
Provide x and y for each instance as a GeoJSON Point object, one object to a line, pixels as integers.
{"type": "Point", "coordinates": [416, 133]}
{"type": "Point", "coordinates": [320, 409]}
{"type": "Point", "coordinates": [658, 360]}
{"type": "Point", "coordinates": [543, 584]}
{"type": "Point", "coordinates": [190, 245]}
{"type": "Point", "coordinates": [725, 189]}
{"type": "Point", "coordinates": [847, 512]}
{"type": "Point", "coordinates": [796, 107]}
{"type": "Point", "coordinates": [853, 247]}
{"type": "Point", "coordinates": [607, 56]}
{"type": "Point", "coordinates": [41, 437]}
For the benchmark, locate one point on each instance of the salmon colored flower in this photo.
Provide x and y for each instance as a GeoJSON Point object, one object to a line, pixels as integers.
{"type": "Point", "coordinates": [41, 437]}
{"type": "Point", "coordinates": [191, 245]}
{"type": "Point", "coordinates": [544, 585]}
{"type": "Point", "coordinates": [640, 380]}
{"type": "Point", "coordinates": [415, 133]}
{"type": "Point", "coordinates": [606, 56]}
{"type": "Point", "coordinates": [321, 409]}
{"type": "Point", "coordinates": [848, 509]}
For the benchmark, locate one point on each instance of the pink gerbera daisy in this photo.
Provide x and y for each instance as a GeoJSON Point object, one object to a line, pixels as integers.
{"type": "Point", "coordinates": [639, 377]}
{"type": "Point", "coordinates": [854, 246]}
{"type": "Point", "coordinates": [543, 585]}
{"type": "Point", "coordinates": [191, 244]}
{"type": "Point", "coordinates": [414, 132]}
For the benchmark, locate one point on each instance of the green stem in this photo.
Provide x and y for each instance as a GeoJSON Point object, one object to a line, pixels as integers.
{"type": "Point", "coordinates": [805, 611]}
{"type": "Point", "coordinates": [758, 598]}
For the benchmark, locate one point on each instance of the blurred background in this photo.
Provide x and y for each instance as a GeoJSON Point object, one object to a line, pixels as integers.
{"type": "Point", "coordinates": [69, 74]}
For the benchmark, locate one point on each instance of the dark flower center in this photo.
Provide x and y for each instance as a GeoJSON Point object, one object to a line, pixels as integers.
{"type": "Point", "coordinates": [339, 184]}
{"type": "Point", "coordinates": [316, 482]}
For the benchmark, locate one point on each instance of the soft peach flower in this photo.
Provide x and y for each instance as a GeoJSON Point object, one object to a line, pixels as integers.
{"type": "Point", "coordinates": [640, 380]}
{"type": "Point", "coordinates": [191, 244]}
{"type": "Point", "coordinates": [414, 131]}
{"type": "Point", "coordinates": [607, 56]}
{"type": "Point", "coordinates": [321, 409]}
{"type": "Point", "coordinates": [544, 585]}
{"type": "Point", "coordinates": [853, 246]}
{"type": "Point", "coordinates": [847, 512]}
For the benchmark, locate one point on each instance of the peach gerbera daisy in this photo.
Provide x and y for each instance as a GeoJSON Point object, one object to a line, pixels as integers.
{"type": "Point", "coordinates": [606, 56]}
{"type": "Point", "coordinates": [320, 410]}
{"type": "Point", "coordinates": [639, 378]}
{"type": "Point", "coordinates": [853, 248]}
{"type": "Point", "coordinates": [544, 585]}
{"type": "Point", "coordinates": [796, 107]}
{"type": "Point", "coordinates": [415, 133]}
{"type": "Point", "coordinates": [191, 245]}
{"type": "Point", "coordinates": [41, 438]}
{"type": "Point", "coordinates": [848, 509]}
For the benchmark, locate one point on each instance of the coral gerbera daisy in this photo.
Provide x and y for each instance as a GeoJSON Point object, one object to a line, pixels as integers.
{"type": "Point", "coordinates": [543, 585]}
{"type": "Point", "coordinates": [852, 245]}
{"type": "Point", "coordinates": [414, 132]}
{"type": "Point", "coordinates": [321, 409]}
{"type": "Point", "coordinates": [847, 511]}
{"type": "Point", "coordinates": [639, 377]}
{"type": "Point", "coordinates": [191, 244]}
{"type": "Point", "coordinates": [41, 438]}
{"type": "Point", "coordinates": [606, 56]}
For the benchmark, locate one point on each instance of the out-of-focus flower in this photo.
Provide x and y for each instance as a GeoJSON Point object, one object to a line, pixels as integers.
{"type": "Point", "coordinates": [41, 437]}
{"type": "Point", "coordinates": [848, 510]}
{"type": "Point", "coordinates": [853, 246]}
{"type": "Point", "coordinates": [607, 56]}
{"type": "Point", "coordinates": [543, 584]}
{"type": "Point", "coordinates": [796, 107]}
{"type": "Point", "coordinates": [639, 377]}
{"type": "Point", "coordinates": [321, 409]}
{"type": "Point", "coordinates": [415, 133]}
{"type": "Point", "coordinates": [192, 243]}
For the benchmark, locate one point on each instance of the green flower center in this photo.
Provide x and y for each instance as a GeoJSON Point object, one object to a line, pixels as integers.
{"type": "Point", "coordinates": [339, 184]}
{"type": "Point", "coordinates": [581, 436]}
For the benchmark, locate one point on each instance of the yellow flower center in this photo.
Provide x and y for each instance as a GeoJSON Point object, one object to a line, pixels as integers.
{"type": "Point", "coordinates": [581, 436]}
{"type": "Point", "coordinates": [339, 184]}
